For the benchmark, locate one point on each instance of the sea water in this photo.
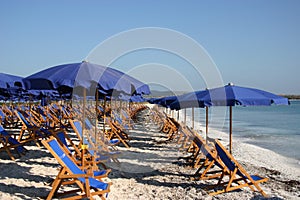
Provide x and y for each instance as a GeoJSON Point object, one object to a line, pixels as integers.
{"type": "Point", "coordinates": [272, 127]}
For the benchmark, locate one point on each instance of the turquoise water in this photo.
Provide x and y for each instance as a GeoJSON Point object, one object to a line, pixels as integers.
{"type": "Point", "coordinates": [273, 127]}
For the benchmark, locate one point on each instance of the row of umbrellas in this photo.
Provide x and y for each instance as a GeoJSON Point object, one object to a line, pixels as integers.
{"type": "Point", "coordinates": [63, 80]}
{"type": "Point", "coordinates": [229, 95]}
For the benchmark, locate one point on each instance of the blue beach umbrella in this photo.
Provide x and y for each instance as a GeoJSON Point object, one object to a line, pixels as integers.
{"type": "Point", "coordinates": [68, 76]}
{"type": "Point", "coordinates": [11, 86]}
{"type": "Point", "coordinates": [232, 95]}
{"type": "Point", "coordinates": [7, 80]}
{"type": "Point", "coordinates": [229, 95]}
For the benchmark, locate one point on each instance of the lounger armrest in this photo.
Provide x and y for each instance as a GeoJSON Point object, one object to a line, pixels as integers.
{"type": "Point", "coordinates": [75, 176]}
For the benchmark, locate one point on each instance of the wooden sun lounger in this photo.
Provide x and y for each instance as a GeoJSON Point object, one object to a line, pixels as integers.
{"type": "Point", "coordinates": [87, 182]}
{"type": "Point", "coordinates": [94, 145]}
{"type": "Point", "coordinates": [238, 177]}
{"type": "Point", "coordinates": [9, 143]}
{"type": "Point", "coordinates": [116, 132]}
{"type": "Point", "coordinates": [170, 127]}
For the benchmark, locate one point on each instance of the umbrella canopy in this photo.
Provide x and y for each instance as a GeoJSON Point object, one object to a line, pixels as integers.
{"type": "Point", "coordinates": [10, 86]}
{"type": "Point", "coordinates": [68, 76]}
{"type": "Point", "coordinates": [189, 100]}
{"type": "Point", "coordinates": [163, 101]}
{"type": "Point", "coordinates": [7, 80]}
{"type": "Point", "coordinates": [231, 95]}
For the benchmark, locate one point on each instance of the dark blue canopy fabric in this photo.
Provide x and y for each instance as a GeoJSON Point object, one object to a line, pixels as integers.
{"type": "Point", "coordinates": [7, 80]}
{"type": "Point", "coordinates": [11, 86]}
{"type": "Point", "coordinates": [189, 100]}
{"type": "Point", "coordinates": [152, 100]}
{"type": "Point", "coordinates": [229, 95]}
{"type": "Point", "coordinates": [132, 98]}
{"type": "Point", "coordinates": [163, 101]}
{"type": "Point", "coordinates": [232, 95]}
{"type": "Point", "coordinates": [68, 76]}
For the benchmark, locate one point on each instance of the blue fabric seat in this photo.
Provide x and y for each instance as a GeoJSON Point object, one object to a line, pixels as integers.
{"type": "Point", "coordinates": [9, 143]}
{"type": "Point", "coordinates": [70, 173]}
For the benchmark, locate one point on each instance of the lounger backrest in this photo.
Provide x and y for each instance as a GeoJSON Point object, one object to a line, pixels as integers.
{"type": "Point", "coordinates": [62, 138]}
{"type": "Point", "coordinates": [118, 119]}
{"type": "Point", "coordinates": [78, 127]}
{"type": "Point", "coordinates": [23, 108]}
{"type": "Point", "coordinates": [65, 111]}
{"type": "Point", "coordinates": [198, 142]}
{"type": "Point", "coordinates": [2, 115]}
{"type": "Point", "coordinates": [65, 160]}
{"type": "Point", "coordinates": [24, 120]}
{"type": "Point", "coordinates": [101, 109]}
{"type": "Point", "coordinates": [88, 124]}
{"type": "Point", "coordinates": [2, 131]}
{"type": "Point", "coordinates": [203, 147]}
{"type": "Point", "coordinates": [230, 163]}
{"type": "Point", "coordinates": [11, 139]}
{"type": "Point", "coordinates": [206, 151]}
{"type": "Point", "coordinates": [224, 157]}
{"type": "Point", "coordinates": [55, 106]}
{"type": "Point", "coordinates": [124, 113]}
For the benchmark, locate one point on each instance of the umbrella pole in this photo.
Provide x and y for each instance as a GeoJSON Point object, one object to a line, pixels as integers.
{"type": "Point", "coordinates": [193, 118]}
{"type": "Point", "coordinates": [96, 120]}
{"type": "Point", "coordinates": [178, 115]}
{"type": "Point", "coordinates": [230, 129]}
{"type": "Point", "coordinates": [104, 114]}
{"type": "Point", "coordinates": [185, 116]}
{"type": "Point", "coordinates": [83, 147]}
{"type": "Point", "coordinates": [206, 123]}
{"type": "Point", "coordinates": [60, 110]}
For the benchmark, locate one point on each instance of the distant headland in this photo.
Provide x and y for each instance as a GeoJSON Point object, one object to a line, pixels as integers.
{"type": "Point", "coordinates": [155, 93]}
{"type": "Point", "coordinates": [291, 96]}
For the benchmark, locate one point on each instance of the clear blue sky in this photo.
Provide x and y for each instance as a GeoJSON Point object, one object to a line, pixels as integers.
{"type": "Point", "coordinates": [254, 43]}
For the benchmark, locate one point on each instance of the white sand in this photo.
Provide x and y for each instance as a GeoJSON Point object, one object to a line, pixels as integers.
{"type": "Point", "coordinates": [151, 170]}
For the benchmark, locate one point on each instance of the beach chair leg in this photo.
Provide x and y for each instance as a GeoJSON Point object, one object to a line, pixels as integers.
{"type": "Point", "coordinates": [10, 154]}
{"type": "Point", "coordinates": [259, 188]}
{"type": "Point", "coordinates": [55, 186]}
{"type": "Point", "coordinates": [21, 134]}
{"type": "Point", "coordinates": [87, 188]}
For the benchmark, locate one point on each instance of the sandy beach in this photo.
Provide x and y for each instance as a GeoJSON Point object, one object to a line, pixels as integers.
{"type": "Point", "coordinates": [150, 169]}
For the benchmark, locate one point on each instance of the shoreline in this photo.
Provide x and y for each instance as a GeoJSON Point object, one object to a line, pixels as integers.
{"type": "Point", "coordinates": [236, 138]}
{"type": "Point", "coordinates": [245, 140]}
